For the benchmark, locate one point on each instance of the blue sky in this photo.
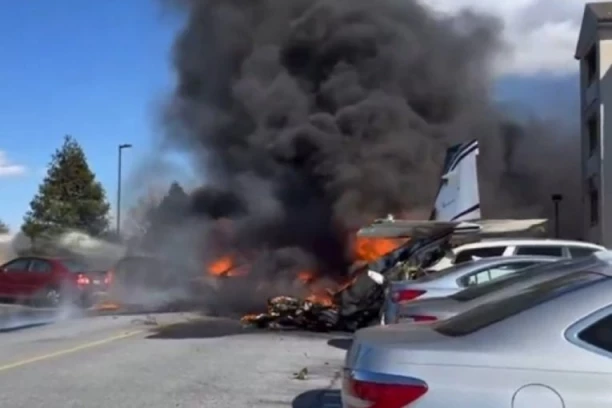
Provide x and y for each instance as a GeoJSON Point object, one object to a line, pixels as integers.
{"type": "Point", "coordinates": [94, 70]}
{"type": "Point", "coordinates": [97, 70]}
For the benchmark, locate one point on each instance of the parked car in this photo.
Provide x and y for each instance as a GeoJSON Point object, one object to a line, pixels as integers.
{"type": "Point", "coordinates": [452, 280]}
{"type": "Point", "coordinates": [511, 247]}
{"type": "Point", "coordinates": [147, 283]}
{"type": "Point", "coordinates": [547, 345]}
{"type": "Point", "coordinates": [440, 308]}
{"type": "Point", "coordinates": [49, 281]}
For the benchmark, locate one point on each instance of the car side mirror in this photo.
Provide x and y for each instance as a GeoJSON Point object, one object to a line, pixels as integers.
{"type": "Point", "coordinates": [376, 277]}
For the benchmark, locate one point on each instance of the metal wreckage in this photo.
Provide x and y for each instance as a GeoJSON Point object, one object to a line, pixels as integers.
{"type": "Point", "coordinates": [359, 303]}
{"type": "Point", "coordinates": [455, 216]}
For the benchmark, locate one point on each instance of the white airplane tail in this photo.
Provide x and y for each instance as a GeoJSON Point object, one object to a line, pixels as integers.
{"type": "Point", "coordinates": [457, 205]}
{"type": "Point", "coordinates": [458, 196]}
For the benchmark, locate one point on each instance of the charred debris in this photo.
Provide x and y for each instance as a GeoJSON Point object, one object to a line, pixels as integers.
{"type": "Point", "coordinates": [357, 304]}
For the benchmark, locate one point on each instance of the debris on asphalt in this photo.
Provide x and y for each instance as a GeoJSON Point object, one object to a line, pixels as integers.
{"type": "Point", "coordinates": [287, 312]}
{"type": "Point", "coordinates": [147, 321]}
{"type": "Point", "coordinates": [301, 375]}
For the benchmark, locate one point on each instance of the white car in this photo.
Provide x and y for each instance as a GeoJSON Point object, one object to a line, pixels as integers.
{"type": "Point", "coordinates": [546, 346]}
{"type": "Point", "coordinates": [510, 247]}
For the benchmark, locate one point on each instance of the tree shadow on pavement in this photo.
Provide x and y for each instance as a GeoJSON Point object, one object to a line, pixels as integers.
{"type": "Point", "coordinates": [321, 398]}
{"type": "Point", "coordinates": [342, 343]}
{"type": "Point", "coordinates": [200, 329]}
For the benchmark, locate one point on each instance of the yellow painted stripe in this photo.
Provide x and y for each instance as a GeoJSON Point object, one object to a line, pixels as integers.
{"type": "Point", "coordinates": [70, 350]}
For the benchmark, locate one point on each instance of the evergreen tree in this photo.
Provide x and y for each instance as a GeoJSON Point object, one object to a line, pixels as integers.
{"type": "Point", "coordinates": [4, 229]}
{"type": "Point", "coordinates": [68, 198]}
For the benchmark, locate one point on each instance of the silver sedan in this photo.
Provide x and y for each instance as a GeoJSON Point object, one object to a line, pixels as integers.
{"type": "Point", "coordinates": [452, 280]}
{"type": "Point", "coordinates": [440, 308]}
{"type": "Point", "coordinates": [548, 346]}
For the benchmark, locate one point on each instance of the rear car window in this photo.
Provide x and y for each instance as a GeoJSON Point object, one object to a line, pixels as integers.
{"type": "Point", "coordinates": [599, 334]}
{"type": "Point", "coordinates": [492, 312]}
{"type": "Point", "coordinates": [74, 266]}
{"type": "Point", "coordinates": [494, 272]}
{"type": "Point", "coordinates": [468, 254]}
{"type": "Point", "coordinates": [500, 283]}
{"type": "Point", "coordinates": [540, 250]}
{"type": "Point", "coordinates": [579, 252]}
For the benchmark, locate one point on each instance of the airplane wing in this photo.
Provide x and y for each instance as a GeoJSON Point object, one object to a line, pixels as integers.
{"type": "Point", "coordinates": [425, 229]}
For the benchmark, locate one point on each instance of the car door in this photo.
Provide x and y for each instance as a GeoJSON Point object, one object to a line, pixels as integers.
{"type": "Point", "coordinates": [39, 276]}
{"type": "Point", "coordinates": [11, 276]}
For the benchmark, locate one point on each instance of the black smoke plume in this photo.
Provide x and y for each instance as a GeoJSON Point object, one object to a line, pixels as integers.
{"type": "Point", "coordinates": [307, 118]}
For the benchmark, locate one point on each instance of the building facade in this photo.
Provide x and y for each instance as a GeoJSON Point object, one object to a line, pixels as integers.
{"type": "Point", "coordinates": [594, 52]}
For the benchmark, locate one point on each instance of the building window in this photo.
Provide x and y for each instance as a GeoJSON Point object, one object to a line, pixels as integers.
{"type": "Point", "coordinates": [593, 134]}
{"type": "Point", "coordinates": [591, 64]}
{"type": "Point", "coordinates": [593, 201]}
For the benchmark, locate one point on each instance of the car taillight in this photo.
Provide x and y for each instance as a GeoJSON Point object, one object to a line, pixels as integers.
{"type": "Point", "coordinates": [404, 295]}
{"type": "Point", "coordinates": [370, 394]}
{"type": "Point", "coordinates": [82, 280]}
{"type": "Point", "coordinates": [423, 318]}
{"type": "Point", "coordinates": [110, 276]}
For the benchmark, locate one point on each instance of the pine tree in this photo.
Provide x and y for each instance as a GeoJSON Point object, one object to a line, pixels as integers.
{"type": "Point", "coordinates": [68, 198]}
{"type": "Point", "coordinates": [4, 229]}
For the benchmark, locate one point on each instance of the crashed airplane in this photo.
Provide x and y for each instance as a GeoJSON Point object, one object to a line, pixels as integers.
{"type": "Point", "coordinates": [456, 212]}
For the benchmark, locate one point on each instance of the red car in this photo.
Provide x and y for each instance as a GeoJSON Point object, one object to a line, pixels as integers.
{"type": "Point", "coordinates": [50, 281]}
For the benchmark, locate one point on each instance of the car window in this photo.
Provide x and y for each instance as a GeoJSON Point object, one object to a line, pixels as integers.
{"type": "Point", "coordinates": [74, 266]}
{"type": "Point", "coordinates": [508, 280]}
{"type": "Point", "coordinates": [492, 312]}
{"type": "Point", "coordinates": [40, 266]}
{"type": "Point", "coordinates": [578, 252]}
{"type": "Point", "coordinates": [540, 250]}
{"type": "Point", "coordinates": [17, 265]}
{"type": "Point", "coordinates": [468, 254]}
{"type": "Point", "coordinates": [494, 273]}
{"type": "Point", "coordinates": [599, 334]}
{"type": "Point", "coordinates": [433, 275]}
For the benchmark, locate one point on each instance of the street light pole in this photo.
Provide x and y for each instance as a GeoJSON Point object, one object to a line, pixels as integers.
{"type": "Point", "coordinates": [119, 151]}
{"type": "Point", "coordinates": [556, 200]}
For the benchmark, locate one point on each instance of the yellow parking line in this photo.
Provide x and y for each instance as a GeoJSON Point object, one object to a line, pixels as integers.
{"type": "Point", "coordinates": [70, 350]}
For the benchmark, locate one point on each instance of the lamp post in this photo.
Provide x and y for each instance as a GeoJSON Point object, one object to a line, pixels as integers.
{"type": "Point", "coordinates": [557, 198]}
{"type": "Point", "coordinates": [120, 151]}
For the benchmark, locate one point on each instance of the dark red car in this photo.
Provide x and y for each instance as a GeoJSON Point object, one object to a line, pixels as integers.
{"type": "Point", "coordinates": [50, 281]}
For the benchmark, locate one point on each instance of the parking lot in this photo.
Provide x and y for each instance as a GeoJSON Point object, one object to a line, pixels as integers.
{"type": "Point", "coordinates": [165, 360]}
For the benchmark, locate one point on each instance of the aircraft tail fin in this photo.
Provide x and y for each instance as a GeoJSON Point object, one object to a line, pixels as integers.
{"type": "Point", "coordinates": [458, 196]}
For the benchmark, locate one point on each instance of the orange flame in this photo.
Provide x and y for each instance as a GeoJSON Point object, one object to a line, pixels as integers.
{"type": "Point", "coordinates": [221, 266]}
{"type": "Point", "coordinates": [370, 249]}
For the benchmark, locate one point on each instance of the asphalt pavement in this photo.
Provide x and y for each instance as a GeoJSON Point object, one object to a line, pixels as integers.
{"type": "Point", "coordinates": [163, 361]}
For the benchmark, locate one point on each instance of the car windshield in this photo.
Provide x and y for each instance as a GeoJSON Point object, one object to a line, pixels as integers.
{"type": "Point", "coordinates": [492, 312]}
{"type": "Point", "coordinates": [505, 281]}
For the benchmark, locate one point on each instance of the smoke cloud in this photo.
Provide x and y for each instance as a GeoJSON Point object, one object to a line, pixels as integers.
{"type": "Point", "coordinates": [307, 118]}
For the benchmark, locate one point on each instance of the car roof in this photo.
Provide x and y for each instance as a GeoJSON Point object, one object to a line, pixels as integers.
{"type": "Point", "coordinates": [490, 243]}
{"type": "Point", "coordinates": [494, 260]}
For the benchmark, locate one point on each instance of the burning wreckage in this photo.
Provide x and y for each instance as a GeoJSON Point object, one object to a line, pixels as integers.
{"type": "Point", "coordinates": [358, 303]}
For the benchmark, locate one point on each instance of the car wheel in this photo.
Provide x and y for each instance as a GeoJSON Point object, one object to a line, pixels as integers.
{"type": "Point", "coordinates": [50, 297]}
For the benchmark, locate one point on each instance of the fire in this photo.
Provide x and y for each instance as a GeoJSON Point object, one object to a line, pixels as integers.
{"type": "Point", "coordinates": [221, 266]}
{"type": "Point", "coordinates": [225, 266]}
{"type": "Point", "coordinates": [370, 249]}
